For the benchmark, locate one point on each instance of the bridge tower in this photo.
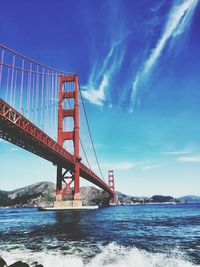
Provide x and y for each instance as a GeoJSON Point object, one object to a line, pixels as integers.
{"type": "Point", "coordinates": [67, 177]}
{"type": "Point", "coordinates": [111, 183]}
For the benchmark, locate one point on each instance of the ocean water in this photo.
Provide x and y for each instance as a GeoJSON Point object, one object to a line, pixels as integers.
{"type": "Point", "coordinates": [134, 236]}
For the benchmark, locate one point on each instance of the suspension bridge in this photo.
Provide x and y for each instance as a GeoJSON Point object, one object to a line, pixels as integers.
{"type": "Point", "coordinates": [42, 111]}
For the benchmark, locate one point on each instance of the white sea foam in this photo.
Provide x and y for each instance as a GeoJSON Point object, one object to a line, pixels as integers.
{"type": "Point", "coordinates": [112, 255]}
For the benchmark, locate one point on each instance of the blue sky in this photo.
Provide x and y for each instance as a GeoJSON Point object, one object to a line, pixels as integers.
{"type": "Point", "coordinates": [138, 65]}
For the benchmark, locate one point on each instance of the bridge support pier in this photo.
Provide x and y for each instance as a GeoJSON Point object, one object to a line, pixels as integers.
{"type": "Point", "coordinates": [59, 183]}
{"type": "Point", "coordinates": [65, 196]}
{"type": "Point", "coordinates": [77, 195]}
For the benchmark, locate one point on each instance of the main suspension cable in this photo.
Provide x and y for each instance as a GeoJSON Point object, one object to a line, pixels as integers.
{"type": "Point", "coordinates": [81, 142]}
{"type": "Point", "coordinates": [91, 136]}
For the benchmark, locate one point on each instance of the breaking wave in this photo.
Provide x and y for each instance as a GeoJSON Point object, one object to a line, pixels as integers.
{"type": "Point", "coordinates": [110, 255]}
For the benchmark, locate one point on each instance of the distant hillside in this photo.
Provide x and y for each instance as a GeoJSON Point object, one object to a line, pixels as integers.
{"type": "Point", "coordinates": [30, 196]}
{"type": "Point", "coordinates": [43, 194]}
{"type": "Point", "coordinates": [190, 199]}
{"type": "Point", "coordinates": [126, 199]}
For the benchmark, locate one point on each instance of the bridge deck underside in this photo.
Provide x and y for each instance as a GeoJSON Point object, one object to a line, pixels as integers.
{"type": "Point", "coordinates": [16, 129]}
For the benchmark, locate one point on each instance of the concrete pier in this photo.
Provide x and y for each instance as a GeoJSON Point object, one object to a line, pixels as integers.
{"type": "Point", "coordinates": [68, 205]}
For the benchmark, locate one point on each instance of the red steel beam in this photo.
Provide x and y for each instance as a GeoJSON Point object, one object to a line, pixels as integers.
{"type": "Point", "coordinates": [16, 129]}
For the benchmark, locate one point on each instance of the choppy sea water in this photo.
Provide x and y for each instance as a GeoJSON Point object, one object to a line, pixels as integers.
{"type": "Point", "coordinates": [134, 236]}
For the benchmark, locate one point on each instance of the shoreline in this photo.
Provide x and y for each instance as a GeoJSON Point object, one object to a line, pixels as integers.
{"type": "Point", "coordinates": [127, 204]}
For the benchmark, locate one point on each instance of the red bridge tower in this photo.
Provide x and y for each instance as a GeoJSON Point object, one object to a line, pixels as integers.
{"type": "Point", "coordinates": [68, 177]}
{"type": "Point", "coordinates": [111, 183]}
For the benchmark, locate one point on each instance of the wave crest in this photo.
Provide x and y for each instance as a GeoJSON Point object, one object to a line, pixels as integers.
{"type": "Point", "coordinates": [111, 255]}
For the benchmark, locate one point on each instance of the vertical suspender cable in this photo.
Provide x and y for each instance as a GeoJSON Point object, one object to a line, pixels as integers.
{"type": "Point", "coordinates": [21, 87]}
{"type": "Point", "coordinates": [52, 103]}
{"type": "Point", "coordinates": [29, 90]}
{"type": "Point", "coordinates": [36, 97]}
{"type": "Point", "coordinates": [12, 79]}
{"type": "Point", "coordinates": [42, 101]}
{"type": "Point", "coordinates": [15, 88]}
{"type": "Point", "coordinates": [7, 84]}
{"type": "Point", "coordinates": [47, 101]}
{"type": "Point", "coordinates": [56, 101]}
{"type": "Point", "coordinates": [32, 97]}
{"type": "Point", "coordinates": [1, 66]}
{"type": "Point", "coordinates": [49, 104]}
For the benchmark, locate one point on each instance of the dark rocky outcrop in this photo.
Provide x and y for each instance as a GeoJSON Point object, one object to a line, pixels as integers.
{"type": "Point", "coordinates": [3, 199]}
{"type": "Point", "coordinates": [161, 199]}
{"type": "Point", "coordinates": [2, 263]}
{"type": "Point", "coordinates": [93, 196]}
{"type": "Point", "coordinates": [18, 264]}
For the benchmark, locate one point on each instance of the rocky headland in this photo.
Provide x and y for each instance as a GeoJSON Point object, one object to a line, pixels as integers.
{"type": "Point", "coordinates": [43, 194]}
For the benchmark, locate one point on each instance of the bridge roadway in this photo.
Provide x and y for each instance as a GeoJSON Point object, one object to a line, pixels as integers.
{"type": "Point", "coordinates": [16, 129]}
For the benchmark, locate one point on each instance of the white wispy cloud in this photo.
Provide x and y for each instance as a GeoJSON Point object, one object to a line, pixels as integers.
{"type": "Point", "coordinates": [148, 167]}
{"type": "Point", "coordinates": [101, 75]}
{"type": "Point", "coordinates": [178, 152]}
{"type": "Point", "coordinates": [158, 5]}
{"type": "Point", "coordinates": [97, 96]}
{"type": "Point", "coordinates": [120, 165]}
{"type": "Point", "coordinates": [124, 165]}
{"type": "Point", "coordinates": [127, 165]}
{"type": "Point", "coordinates": [178, 20]}
{"type": "Point", "coordinates": [193, 158]}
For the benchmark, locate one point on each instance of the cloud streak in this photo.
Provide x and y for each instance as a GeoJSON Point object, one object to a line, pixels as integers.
{"type": "Point", "coordinates": [149, 167]}
{"type": "Point", "coordinates": [178, 152]}
{"type": "Point", "coordinates": [178, 20]}
{"type": "Point", "coordinates": [128, 165]}
{"type": "Point", "coordinates": [124, 165]}
{"type": "Point", "coordinates": [97, 96]}
{"type": "Point", "coordinates": [101, 75]}
{"type": "Point", "coordinates": [193, 158]}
